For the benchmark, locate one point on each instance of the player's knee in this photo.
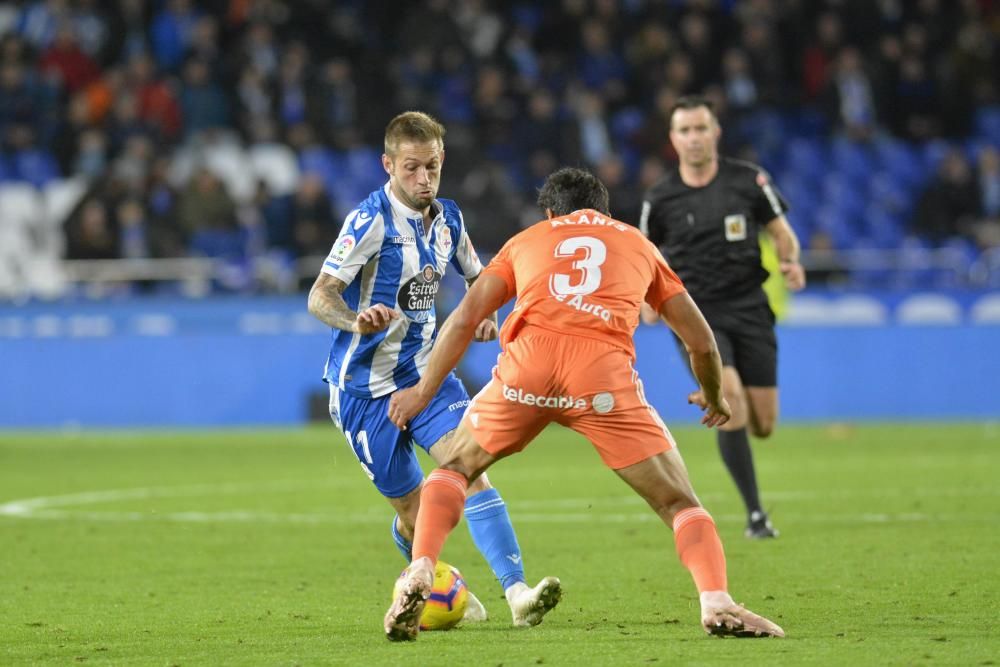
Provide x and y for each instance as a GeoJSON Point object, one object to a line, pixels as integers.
{"type": "Point", "coordinates": [762, 429]}
{"type": "Point", "coordinates": [481, 483]}
{"type": "Point", "coordinates": [680, 503]}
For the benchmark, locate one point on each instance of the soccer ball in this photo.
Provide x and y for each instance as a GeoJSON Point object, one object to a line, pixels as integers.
{"type": "Point", "coordinates": [448, 600]}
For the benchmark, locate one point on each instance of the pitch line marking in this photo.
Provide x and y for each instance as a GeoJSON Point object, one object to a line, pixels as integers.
{"type": "Point", "coordinates": [60, 508]}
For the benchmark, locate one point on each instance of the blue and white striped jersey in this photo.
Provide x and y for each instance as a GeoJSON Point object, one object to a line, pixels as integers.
{"type": "Point", "coordinates": [385, 257]}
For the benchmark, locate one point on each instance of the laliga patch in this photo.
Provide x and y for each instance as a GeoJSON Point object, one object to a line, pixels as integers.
{"type": "Point", "coordinates": [342, 249]}
{"type": "Point", "coordinates": [736, 227]}
{"type": "Point", "coordinates": [603, 402]}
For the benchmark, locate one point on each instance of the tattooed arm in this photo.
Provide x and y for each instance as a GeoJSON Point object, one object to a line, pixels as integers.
{"type": "Point", "coordinates": [326, 303]}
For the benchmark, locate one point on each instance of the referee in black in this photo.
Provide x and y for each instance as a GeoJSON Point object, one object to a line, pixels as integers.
{"type": "Point", "coordinates": [705, 216]}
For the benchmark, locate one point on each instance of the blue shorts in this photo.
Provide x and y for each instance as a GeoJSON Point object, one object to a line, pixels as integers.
{"type": "Point", "coordinates": [385, 452]}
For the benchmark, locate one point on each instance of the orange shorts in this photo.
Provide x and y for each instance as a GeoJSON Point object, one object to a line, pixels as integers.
{"type": "Point", "coordinates": [586, 385]}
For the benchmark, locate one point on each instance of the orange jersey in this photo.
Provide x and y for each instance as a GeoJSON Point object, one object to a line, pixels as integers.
{"type": "Point", "coordinates": [584, 274]}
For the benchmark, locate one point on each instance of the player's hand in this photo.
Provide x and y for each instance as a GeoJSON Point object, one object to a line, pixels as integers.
{"type": "Point", "coordinates": [404, 405]}
{"type": "Point", "coordinates": [374, 319]}
{"type": "Point", "coordinates": [486, 331]}
{"type": "Point", "coordinates": [716, 414]}
{"type": "Point", "coordinates": [795, 275]}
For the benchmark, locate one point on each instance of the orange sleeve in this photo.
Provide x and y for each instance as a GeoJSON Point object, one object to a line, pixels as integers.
{"type": "Point", "coordinates": [502, 266]}
{"type": "Point", "coordinates": [665, 283]}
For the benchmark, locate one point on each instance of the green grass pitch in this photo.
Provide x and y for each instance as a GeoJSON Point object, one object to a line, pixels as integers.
{"type": "Point", "coordinates": [272, 548]}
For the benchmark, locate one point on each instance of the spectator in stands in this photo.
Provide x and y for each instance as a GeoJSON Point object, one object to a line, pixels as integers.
{"type": "Point", "coordinates": [527, 87]}
{"type": "Point", "coordinates": [203, 103]}
{"type": "Point", "coordinates": [172, 32]}
{"type": "Point", "coordinates": [207, 215]}
{"type": "Point", "coordinates": [67, 62]}
{"type": "Point", "coordinates": [948, 206]}
{"type": "Point", "coordinates": [133, 229]}
{"type": "Point", "coordinates": [314, 226]}
{"type": "Point", "coordinates": [91, 234]}
{"type": "Point", "coordinates": [851, 97]}
{"type": "Point", "coordinates": [987, 228]}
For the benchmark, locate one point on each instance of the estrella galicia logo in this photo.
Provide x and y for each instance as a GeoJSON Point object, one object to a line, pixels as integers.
{"type": "Point", "coordinates": [416, 296]}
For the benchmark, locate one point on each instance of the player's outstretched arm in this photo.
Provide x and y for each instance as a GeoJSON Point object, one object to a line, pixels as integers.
{"type": "Point", "coordinates": [484, 297]}
{"type": "Point", "coordinates": [326, 303]}
{"type": "Point", "coordinates": [489, 328]}
{"type": "Point", "coordinates": [787, 245]}
{"type": "Point", "coordinates": [686, 320]}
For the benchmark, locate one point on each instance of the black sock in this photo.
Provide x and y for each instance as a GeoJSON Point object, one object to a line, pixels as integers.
{"type": "Point", "coordinates": [734, 446]}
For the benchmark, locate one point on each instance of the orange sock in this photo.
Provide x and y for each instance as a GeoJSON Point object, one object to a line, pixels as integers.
{"type": "Point", "coordinates": [700, 549]}
{"type": "Point", "coordinates": [441, 503]}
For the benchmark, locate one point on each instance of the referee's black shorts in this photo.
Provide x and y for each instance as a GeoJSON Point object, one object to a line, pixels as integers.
{"type": "Point", "coordinates": [746, 339]}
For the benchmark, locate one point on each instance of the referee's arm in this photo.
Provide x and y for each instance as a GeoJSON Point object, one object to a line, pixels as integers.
{"type": "Point", "coordinates": [787, 245]}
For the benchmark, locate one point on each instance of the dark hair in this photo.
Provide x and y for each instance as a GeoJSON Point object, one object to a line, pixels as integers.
{"type": "Point", "coordinates": [569, 189]}
{"type": "Point", "coordinates": [688, 102]}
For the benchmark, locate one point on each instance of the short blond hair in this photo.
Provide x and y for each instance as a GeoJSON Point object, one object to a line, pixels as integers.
{"type": "Point", "coordinates": [415, 126]}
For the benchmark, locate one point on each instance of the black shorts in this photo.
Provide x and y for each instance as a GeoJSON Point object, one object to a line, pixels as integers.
{"type": "Point", "coordinates": [746, 340]}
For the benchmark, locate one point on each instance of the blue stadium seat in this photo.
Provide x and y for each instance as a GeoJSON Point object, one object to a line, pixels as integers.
{"type": "Point", "coordinates": [323, 162]}
{"type": "Point", "coordinates": [844, 195]}
{"type": "Point", "coordinates": [988, 123]}
{"type": "Point", "coordinates": [853, 159]}
{"type": "Point", "coordinates": [837, 225]}
{"type": "Point", "coordinates": [890, 193]}
{"type": "Point", "coordinates": [36, 166]}
{"type": "Point", "coordinates": [806, 157]}
{"type": "Point", "coordinates": [902, 161]}
{"type": "Point", "coordinates": [626, 123]}
{"type": "Point", "coordinates": [933, 153]}
{"type": "Point", "coordinates": [885, 230]}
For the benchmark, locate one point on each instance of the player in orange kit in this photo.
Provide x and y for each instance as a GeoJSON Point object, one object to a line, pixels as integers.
{"type": "Point", "coordinates": [580, 278]}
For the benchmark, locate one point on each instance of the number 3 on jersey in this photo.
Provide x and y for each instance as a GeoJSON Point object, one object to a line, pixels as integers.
{"type": "Point", "coordinates": [589, 266]}
{"type": "Point", "coordinates": [361, 451]}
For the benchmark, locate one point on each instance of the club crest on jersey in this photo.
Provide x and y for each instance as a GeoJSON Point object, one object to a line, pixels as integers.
{"type": "Point", "coordinates": [416, 295]}
{"type": "Point", "coordinates": [736, 227]}
{"type": "Point", "coordinates": [342, 249]}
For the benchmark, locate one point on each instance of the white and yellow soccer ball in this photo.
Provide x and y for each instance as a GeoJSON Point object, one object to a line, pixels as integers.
{"type": "Point", "coordinates": [448, 600]}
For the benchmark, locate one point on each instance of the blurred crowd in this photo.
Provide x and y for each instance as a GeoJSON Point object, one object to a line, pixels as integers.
{"type": "Point", "coordinates": [243, 129]}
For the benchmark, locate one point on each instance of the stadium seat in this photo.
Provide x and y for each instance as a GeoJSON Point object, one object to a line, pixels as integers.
{"type": "Point", "coordinates": [853, 160]}
{"type": "Point", "coordinates": [852, 310]}
{"type": "Point", "coordinates": [901, 161]}
{"type": "Point", "coordinates": [986, 310]}
{"type": "Point", "coordinates": [807, 158]}
{"type": "Point", "coordinates": [988, 124]}
{"type": "Point", "coordinates": [626, 123]}
{"type": "Point", "coordinates": [929, 309]}
{"type": "Point", "coordinates": [833, 221]}
{"type": "Point", "coordinates": [35, 166]}
{"type": "Point", "coordinates": [884, 229]}
{"type": "Point", "coordinates": [20, 214]}
{"type": "Point", "coordinates": [844, 195]}
{"type": "Point", "coordinates": [229, 162]}
{"type": "Point", "coordinates": [890, 194]}
{"type": "Point", "coordinates": [275, 164]}
{"type": "Point", "coordinates": [933, 153]}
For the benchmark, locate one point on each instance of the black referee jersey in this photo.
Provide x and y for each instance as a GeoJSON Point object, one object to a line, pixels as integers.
{"type": "Point", "coordinates": [709, 234]}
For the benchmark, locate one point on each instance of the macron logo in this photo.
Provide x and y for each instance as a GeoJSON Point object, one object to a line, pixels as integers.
{"type": "Point", "coordinates": [514, 558]}
{"type": "Point", "coordinates": [527, 398]}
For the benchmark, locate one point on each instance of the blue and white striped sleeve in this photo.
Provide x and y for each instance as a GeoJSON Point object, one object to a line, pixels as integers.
{"type": "Point", "coordinates": [465, 260]}
{"type": "Point", "coordinates": [360, 239]}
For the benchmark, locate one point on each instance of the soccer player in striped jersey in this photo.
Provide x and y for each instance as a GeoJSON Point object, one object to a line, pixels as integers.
{"type": "Point", "coordinates": [579, 278]}
{"type": "Point", "coordinates": [376, 291]}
